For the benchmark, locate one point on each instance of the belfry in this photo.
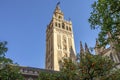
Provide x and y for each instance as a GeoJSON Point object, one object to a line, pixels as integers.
{"type": "Point", "coordinates": [59, 40]}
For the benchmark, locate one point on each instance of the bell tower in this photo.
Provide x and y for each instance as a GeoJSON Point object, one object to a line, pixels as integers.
{"type": "Point", "coordinates": [59, 40]}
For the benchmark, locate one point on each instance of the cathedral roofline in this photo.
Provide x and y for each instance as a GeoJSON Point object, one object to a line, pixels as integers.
{"type": "Point", "coordinates": [105, 51]}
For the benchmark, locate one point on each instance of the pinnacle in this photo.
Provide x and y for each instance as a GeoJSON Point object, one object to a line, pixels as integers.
{"type": "Point", "coordinates": [57, 9]}
{"type": "Point", "coordinates": [86, 48]}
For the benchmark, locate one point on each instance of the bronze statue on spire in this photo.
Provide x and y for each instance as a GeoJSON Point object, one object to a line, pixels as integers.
{"type": "Point", "coordinates": [58, 3]}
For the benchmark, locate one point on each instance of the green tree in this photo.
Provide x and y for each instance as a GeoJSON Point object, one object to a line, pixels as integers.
{"type": "Point", "coordinates": [89, 67]}
{"type": "Point", "coordinates": [106, 17]}
{"type": "Point", "coordinates": [8, 70]}
{"type": "Point", "coordinates": [92, 67]}
{"type": "Point", "coordinates": [50, 76]}
{"type": "Point", "coordinates": [3, 50]}
{"type": "Point", "coordinates": [115, 75]}
{"type": "Point", "coordinates": [69, 69]}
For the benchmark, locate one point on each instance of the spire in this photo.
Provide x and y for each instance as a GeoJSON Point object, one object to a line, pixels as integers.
{"type": "Point", "coordinates": [58, 13]}
{"type": "Point", "coordinates": [86, 48]}
{"type": "Point", "coordinates": [81, 51]}
{"type": "Point", "coordinates": [81, 48]}
{"type": "Point", "coordinates": [57, 9]}
{"type": "Point", "coordinates": [97, 46]}
{"type": "Point", "coordinates": [98, 49]}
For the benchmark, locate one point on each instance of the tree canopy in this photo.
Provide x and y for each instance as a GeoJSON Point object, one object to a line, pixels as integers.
{"type": "Point", "coordinates": [8, 70]}
{"type": "Point", "coordinates": [90, 67]}
{"type": "Point", "coordinates": [106, 17]}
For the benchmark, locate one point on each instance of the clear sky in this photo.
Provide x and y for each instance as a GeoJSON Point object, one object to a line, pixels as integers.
{"type": "Point", "coordinates": [23, 25]}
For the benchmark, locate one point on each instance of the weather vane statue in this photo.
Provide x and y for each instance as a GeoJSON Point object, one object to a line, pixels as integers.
{"type": "Point", "coordinates": [58, 3]}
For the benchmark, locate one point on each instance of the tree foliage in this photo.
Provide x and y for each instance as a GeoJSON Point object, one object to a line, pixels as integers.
{"type": "Point", "coordinates": [3, 50]}
{"type": "Point", "coordinates": [94, 66]}
{"type": "Point", "coordinates": [90, 67]}
{"type": "Point", "coordinates": [50, 76]}
{"type": "Point", "coordinates": [8, 70]}
{"type": "Point", "coordinates": [69, 69]}
{"type": "Point", "coordinates": [106, 17]}
{"type": "Point", "coordinates": [68, 72]}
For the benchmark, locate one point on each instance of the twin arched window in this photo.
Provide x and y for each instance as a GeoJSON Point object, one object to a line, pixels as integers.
{"type": "Point", "coordinates": [63, 26]}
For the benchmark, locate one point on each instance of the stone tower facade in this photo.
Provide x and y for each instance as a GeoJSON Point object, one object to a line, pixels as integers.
{"type": "Point", "coordinates": [59, 40]}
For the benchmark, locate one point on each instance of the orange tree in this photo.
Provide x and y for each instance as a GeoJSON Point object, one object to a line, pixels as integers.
{"type": "Point", "coordinates": [90, 67]}
{"type": "Point", "coordinates": [50, 76]}
{"type": "Point", "coordinates": [67, 71]}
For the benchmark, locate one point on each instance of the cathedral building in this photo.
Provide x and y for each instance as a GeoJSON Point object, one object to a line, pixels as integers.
{"type": "Point", "coordinates": [109, 52]}
{"type": "Point", "coordinates": [60, 44]}
{"type": "Point", "coordinates": [59, 40]}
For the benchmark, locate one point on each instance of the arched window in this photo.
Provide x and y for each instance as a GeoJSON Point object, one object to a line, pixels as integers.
{"type": "Point", "coordinates": [67, 27]}
{"type": "Point", "coordinates": [56, 24]}
{"type": "Point", "coordinates": [63, 25]}
{"type": "Point", "coordinates": [59, 25]}
{"type": "Point", "coordinates": [70, 28]}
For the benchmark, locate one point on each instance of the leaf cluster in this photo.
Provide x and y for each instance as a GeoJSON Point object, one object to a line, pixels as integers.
{"type": "Point", "coordinates": [94, 66]}
{"type": "Point", "coordinates": [90, 67]}
{"type": "Point", "coordinates": [8, 70]}
{"type": "Point", "coordinates": [106, 17]}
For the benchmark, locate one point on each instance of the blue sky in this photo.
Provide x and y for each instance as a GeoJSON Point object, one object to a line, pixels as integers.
{"type": "Point", "coordinates": [23, 25]}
